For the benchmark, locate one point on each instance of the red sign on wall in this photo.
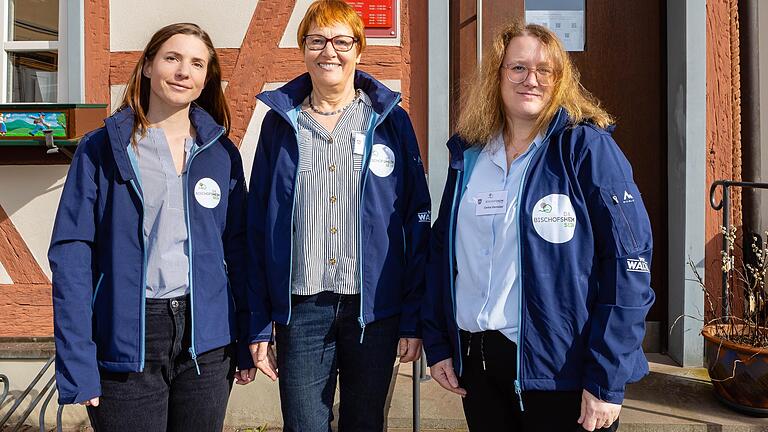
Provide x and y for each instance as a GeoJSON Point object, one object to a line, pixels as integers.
{"type": "Point", "coordinates": [378, 16]}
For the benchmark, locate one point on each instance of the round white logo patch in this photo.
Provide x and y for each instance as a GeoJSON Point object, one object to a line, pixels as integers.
{"type": "Point", "coordinates": [382, 160]}
{"type": "Point", "coordinates": [554, 218]}
{"type": "Point", "coordinates": [207, 193]}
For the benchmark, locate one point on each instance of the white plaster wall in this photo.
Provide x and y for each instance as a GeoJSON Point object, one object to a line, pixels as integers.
{"type": "Point", "coordinates": [116, 96]}
{"type": "Point", "coordinates": [30, 196]}
{"type": "Point", "coordinates": [251, 138]}
{"type": "Point", "coordinates": [289, 37]}
{"type": "Point", "coordinates": [226, 21]}
{"type": "Point", "coordinates": [5, 278]}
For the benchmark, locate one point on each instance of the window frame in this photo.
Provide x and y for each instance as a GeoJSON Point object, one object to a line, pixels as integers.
{"type": "Point", "coordinates": [71, 59]}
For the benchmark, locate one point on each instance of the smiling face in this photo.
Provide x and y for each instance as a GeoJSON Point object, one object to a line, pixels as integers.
{"type": "Point", "coordinates": [177, 72]}
{"type": "Point", "coordinates": [330, 68]}
{"type": "Point", "coordinates": [526, 100]}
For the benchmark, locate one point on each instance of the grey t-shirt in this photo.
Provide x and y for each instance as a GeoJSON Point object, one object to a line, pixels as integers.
{"type": "Point", "coordinates": [165, 228]}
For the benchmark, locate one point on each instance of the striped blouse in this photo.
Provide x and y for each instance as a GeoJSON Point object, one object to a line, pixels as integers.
{"type": "Point", "coordinates": [326, 212]}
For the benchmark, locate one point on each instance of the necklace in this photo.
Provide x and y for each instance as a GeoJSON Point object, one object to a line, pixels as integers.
{"type": "Point", "coordinates": [338, 111]}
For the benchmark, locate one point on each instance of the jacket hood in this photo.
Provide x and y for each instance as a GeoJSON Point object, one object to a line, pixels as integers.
{"type": "Point", "coordinates": [292, 94]}
{"type": "Point", "coordinates": [120, 127]}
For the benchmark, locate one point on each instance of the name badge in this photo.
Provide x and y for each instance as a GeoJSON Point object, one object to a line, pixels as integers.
{"type": "Point", "coordinates": [359, 146]}
{"type": "Point", "coordinates": [491, 203]}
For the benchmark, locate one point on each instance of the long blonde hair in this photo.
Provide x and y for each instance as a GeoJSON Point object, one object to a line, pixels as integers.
{"type": "Point", "coordinates": [482, 114]}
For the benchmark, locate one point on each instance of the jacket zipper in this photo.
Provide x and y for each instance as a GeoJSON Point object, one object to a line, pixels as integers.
{"type": "Point", "coordinates": [293, 211]}
{"type": "Point", "coordinates": [521, 297]}
{"type": "Point", "coordinates": [375, 122]}
{"type": "Point", "coordinates": [451, 265]}
{"type": "Point", "coordinates": [142, 321]}
{"type": "Point", "coordinates": [192, 351]}
{"type": "Point", "coordinates": [615, 200]}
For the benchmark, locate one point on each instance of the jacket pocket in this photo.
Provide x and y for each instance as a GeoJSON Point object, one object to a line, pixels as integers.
{"type": "Point", "coordinates": [629, 220]}
{"type": "Point", "coordinates": [96, 289]}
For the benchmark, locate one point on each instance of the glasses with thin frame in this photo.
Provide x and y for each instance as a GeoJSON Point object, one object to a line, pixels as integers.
{"type": "Point", "coordinates": [341, 43]}
{"type": "Point", "coordinates": [518, 73]}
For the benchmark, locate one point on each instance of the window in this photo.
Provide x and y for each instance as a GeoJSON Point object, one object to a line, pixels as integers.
{"type": "Point", "coordinates": [34, 55]}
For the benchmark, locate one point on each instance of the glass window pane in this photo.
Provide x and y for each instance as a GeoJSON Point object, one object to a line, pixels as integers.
{"type": "Point", "coordinates": [33, 20]}
{"type": "Point", "coordinates": [32, 76]}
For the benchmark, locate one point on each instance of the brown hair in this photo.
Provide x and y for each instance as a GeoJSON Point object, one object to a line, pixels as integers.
{"type": "Point", "coordinates": [211, 99]}
{"type": "Point", "coordinates": [325, 13]}
{"type": "Point", "coordinates": [482, 115]}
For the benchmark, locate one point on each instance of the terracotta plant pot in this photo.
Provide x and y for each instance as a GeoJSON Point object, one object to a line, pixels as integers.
{"type": "Point", "coordinates": [741, 385]}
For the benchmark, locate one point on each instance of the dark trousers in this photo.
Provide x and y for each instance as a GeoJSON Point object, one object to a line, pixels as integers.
{"type": "Point", "coordinates": [491, 404]}
{"type": "Point", "coordinates": [169, 395]}
{"type": "Point", "coordinates": [321, 342]}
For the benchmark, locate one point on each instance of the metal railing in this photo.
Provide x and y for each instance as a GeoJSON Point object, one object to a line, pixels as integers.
{"type": "Point", "coordinates": [725, 204]}
{"type": "Point", "coordinates": [48, 389]}
{"type": "Point", "coordinates": [419, 376]}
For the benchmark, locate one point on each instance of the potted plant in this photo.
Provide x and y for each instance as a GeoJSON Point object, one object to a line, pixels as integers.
{"type": "Point", "coordinates": [736, 338]}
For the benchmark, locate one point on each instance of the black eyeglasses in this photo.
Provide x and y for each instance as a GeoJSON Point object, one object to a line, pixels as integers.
{"type": "Point", "coordinates": [340, 43]}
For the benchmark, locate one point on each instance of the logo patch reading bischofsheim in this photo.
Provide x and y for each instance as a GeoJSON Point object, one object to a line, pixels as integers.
{"type": "Point", "coordinates": [638, 265]}
{"type": "Point", "coordinates": [382, 160]}
{"type": "Point", "coordinates": [554, 218]}
{"type": "Point", "coordinates": [207, 193]}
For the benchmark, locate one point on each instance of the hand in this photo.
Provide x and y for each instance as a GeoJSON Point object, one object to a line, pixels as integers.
{"type": "Point", "coordinates": [264, 359]}
{"type": "Point", "coordinates": [596, 414]}
{"type": "Point", "coordinates": [409, 349]}
{"type": "Point", "coordinates": [243, 377]}
{"type": "Point", "coordinates": [442, 372]}
{"type": "Point", "coordinates": [93, 402]}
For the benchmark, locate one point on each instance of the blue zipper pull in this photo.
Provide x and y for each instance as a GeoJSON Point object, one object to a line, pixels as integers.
{"type": "Point", "coordinates": [519, 392]}
{"type": "Point", "coordinates": [194, 359]}
{"type": "Point", "coordinates": [362, 329]}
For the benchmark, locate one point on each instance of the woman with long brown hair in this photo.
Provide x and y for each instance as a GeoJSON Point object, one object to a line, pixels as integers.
{"type": "Point", "coordinates": [148, 250]}
{"type": "Point", "coordinates": [540, 266]}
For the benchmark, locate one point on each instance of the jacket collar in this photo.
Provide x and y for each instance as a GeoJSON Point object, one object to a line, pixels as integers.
{"type": "Point", "coordinates": [291, 95]}
{"type": "Point", "coordinates": [120, 126]}
{"type": "Point", "coordinates": [457, 145]}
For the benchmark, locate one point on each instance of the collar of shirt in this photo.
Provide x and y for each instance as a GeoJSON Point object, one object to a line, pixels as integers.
{"type": "Point", "coordinates": [496, 153]}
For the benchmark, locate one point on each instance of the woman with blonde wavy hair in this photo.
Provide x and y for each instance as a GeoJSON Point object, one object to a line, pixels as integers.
{"type": "Point", "coordinates": [539, 277]}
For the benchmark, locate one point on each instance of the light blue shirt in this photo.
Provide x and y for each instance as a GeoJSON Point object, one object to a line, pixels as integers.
{"type": "Point", "coordinates": [487, 255]}
{"type": "Point", "coordinates": [165, 232]}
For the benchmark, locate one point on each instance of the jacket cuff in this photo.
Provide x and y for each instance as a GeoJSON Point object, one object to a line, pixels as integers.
{"type": "Point", "coordinates": [244, 358]}
{"type": "Point", "coordinates": [410, 329]}
{"type": "Point", "coordinates": [79, 397]}
{"type": "Point", "coordinates": [437, 353]}
{"type": "Point", "coordinates": [605, 395]}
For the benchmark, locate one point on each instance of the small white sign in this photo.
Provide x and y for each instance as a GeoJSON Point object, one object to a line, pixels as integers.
{"type": "Point", "coordinates": [382, 160]}
{"type": "Point", "coordinates": [568, 25]}
{"type": "Point", "coordinates": [491, 203]}
{"type": "Point", "coordinates": [359, 146]}
{"type": "Point", "coordinates": [207, 193]}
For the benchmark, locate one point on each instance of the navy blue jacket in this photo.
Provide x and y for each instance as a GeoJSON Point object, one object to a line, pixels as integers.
{"type": "Point", "coordinates": [586, 293]}
{"type": "Point", "coordinates": [98, 256]}
{"type": "Point", "coordinates": [394, 213]}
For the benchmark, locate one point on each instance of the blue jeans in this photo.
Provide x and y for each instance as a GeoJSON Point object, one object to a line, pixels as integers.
{"type": "Point", "coordinates": [321, 342]}
{"type": "Point", "coordinates": [169, 395]}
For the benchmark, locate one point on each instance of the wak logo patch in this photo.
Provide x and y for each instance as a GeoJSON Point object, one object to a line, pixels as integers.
{"type": "Point", "coordinates": [425, 217]}
{"type": "Point", "coordinates": [638, 265]}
